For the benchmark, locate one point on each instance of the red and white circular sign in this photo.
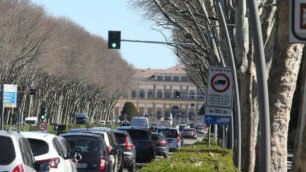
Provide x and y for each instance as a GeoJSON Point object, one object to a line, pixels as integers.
{"type": "Point", "coordinates": [43, 126]}
{"type": "Point", "coordinates": [220, 82]}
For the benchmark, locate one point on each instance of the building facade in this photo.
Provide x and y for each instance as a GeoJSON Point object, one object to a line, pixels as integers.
{"type": "Point", "coordinates": [157, 93]}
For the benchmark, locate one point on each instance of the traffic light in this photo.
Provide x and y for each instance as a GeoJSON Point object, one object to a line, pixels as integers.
{"type": "Point", "coordinates": [114, 39]}
{"type": "Point", "coordinates": [177, 94]}
{"type": "Point", "coordinates": [43, 113]}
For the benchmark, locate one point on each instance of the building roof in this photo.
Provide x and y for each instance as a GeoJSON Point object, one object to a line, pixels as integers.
{"type": "Point", "coordinates": [146, 73]}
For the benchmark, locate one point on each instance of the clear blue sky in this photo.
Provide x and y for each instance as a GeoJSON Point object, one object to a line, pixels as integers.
{"type": "Point", "coordinates": [99, 16]}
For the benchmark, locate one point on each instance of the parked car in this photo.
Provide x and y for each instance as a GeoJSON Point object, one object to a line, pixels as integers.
{"type": "Point", "coordinates": [16, 153]}
{"type": "Point", "coordinates": [94, 152]}
{"type": "Point", "coordinates": [140, 122]}
{"type": "Point", "coordinates": [50, 153]}
{"type": "Point", "coordinates": [114, 150]}
{"type": "Point", "coordinates": [141, 137]}
{"type": "Point", "coordinates": [173, 137]}
{"type": "Point", "coordinates": [129, 155]}
{"type": "Point", "coordinates": [160, 144]}
{"type": "Point", "coordinates": [189, 133]}
{"type": "Point", "coordinates": [182, 126]}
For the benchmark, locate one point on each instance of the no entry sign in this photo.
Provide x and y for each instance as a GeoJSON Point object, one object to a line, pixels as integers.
{"type": "Point", "coordinates": [220, 87]}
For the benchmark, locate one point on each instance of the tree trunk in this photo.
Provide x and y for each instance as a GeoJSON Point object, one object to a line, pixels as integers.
{"type": "Point", "coordinates": [282, 84]}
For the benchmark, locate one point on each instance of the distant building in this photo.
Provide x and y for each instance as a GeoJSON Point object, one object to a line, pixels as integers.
{"type": "Point", "coordinates": [157, 93]}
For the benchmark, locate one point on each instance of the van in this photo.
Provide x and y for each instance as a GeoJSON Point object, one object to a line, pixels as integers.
{"type": "Point", "coordinates": [81, 118]}
{"type": "Point", "coordinates": [140, 122]}
{"type": "Point", "coordinates": [32, 120]}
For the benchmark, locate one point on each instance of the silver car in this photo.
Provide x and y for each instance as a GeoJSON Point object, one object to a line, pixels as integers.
{"type": "Point", "coordinates": [16, 153]}
{"type": "Point", "coordinates": [173, 137]}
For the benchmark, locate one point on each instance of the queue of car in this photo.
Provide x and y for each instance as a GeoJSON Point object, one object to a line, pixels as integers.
{"type": "Point", "coordinates": [97, 149]}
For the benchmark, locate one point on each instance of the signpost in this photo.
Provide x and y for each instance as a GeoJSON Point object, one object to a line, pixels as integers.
{"type": "Point", "coordinates": [9, 99]}
{"type": "Point", "coordinates": [42, 126]}
{"type": "Point", "coordinates": [297, 21]}
{"type": "Point", "coordinates": [220, 87]}
{"type": "Point", "coordinates": [215, 115]}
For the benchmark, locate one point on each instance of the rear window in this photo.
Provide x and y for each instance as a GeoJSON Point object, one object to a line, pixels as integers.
{"type": "Point", "coordinates": [139, 123]}
{"type": "Point", "coordinates": [83, 143]}
{"type": "Point", "coordinates": [7, 149]}
{"type": "Point", "coordinates": [155, 137]}
{"type": "Point", "coordinates": [169, 133]}
{"type": "Point", "coordinates": [120, 138]}
{"type": "Point", "coordinates": [139, 134]}
{"type": "Point", "coordinates": [38, 147]}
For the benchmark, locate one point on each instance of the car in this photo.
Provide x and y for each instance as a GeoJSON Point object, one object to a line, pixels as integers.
{"type": "Point", "coordinates": [182, 126]}
{"type": "Point", "coordinates": [16, 153]}
{"type": "Point", "coordinates": [173, 136]}
{"type": "Point", "coordinates": [94, 152]}
{"type": "Point", "coordinates": [189, 133]}
{"type": "Point", "coordinates": [160, 144]}
{"type": "Point", "coordinates": [140, 122]}
{"type": "Point", "coordinates": [141, 138]}
{"type": "Point", "coordinates": [200, 129]}
{"type": "Point", "coordinates": [49, 152]}
{"type": "Point", "coordinates": [109, 137]}
{"type": "Point", "coordinates": [129, 150]}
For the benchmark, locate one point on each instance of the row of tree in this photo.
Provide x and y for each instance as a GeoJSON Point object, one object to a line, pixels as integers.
{"type": "Point", "coordinates": [70, 69]}
{"type": "Point", "coordinates": [198, 22]}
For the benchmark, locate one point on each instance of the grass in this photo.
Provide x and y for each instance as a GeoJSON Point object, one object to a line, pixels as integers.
{"type": "Point", "coordinates": [195, 158]}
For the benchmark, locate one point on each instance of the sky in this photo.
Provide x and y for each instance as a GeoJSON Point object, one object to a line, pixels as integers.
{"type": "Point", "coordinates": [100, 16]}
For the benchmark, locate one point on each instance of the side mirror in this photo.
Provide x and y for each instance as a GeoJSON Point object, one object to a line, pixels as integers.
{"type": "Point", "coordinates": [78, 157]}
{"type": "Point", "coordinates": [71, 155]}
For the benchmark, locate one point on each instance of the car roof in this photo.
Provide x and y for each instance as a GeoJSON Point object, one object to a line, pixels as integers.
{"type": "Point", "coordinates": [38, 135]}
{"type": "Point", "coordinates": [81, 134]}
{"type": "Point", "coordinates": [132, 127]}
{"type": "Point", "coordinates": [10, 133]}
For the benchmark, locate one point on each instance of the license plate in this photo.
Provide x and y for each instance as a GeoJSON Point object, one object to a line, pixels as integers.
{"type": "Point", "coordinates": [82, 165]}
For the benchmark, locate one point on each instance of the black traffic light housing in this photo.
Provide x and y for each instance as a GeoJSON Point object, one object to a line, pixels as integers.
{"type": "Point", "coordinates": [43, 113]}
{"type": "Point", "coordinates": [32, 91]}
{"type": "Point", "coordinates": [114, 39]}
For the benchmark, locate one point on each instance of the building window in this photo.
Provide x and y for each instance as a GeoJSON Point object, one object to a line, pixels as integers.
{"type": "Point", "coordinates": [168, 78]}
{"type": "Point", "coordinates": [150, 94]}
{"type": "Point", "coordinates": [184, 78]}
{"type": "Point", "coordinates": [133, 94]}
{"type": "Point", "coordinates": [167, 95]}
{"type": "Point", "coordinates": [176, 78]}
{"type": "Point", "coordinates": [160, 78]}
{"type": "Point", "coordinates": [192, 94]}
{"type": "Point", "coordinates": [176, 94]}
{"type": "Point", "coordinates": [159, 94]}
{"type": "Point", "coordinates": [142, 93]}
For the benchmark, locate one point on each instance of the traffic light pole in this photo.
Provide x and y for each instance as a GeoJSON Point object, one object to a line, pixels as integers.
{"type": "Point", "coordinates": [157, 42]}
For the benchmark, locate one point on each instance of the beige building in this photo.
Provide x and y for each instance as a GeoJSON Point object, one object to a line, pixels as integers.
{"type": "Point", "coordinates": [157, 93]}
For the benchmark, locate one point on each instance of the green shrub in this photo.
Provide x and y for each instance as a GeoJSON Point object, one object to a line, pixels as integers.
{"type": "Point", "coordinates": [195, 158]}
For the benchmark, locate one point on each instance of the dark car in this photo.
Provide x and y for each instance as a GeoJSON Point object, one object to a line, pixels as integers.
{"type": "Point", "coordinates": [189, 133]}
{"type": "Point", "coordinates": [129, 150]}
{"type": "Point", "coordinates": [141, 137]}
{"type": "Point", "coordinates": [94, 152]}
{"type": "Point", "coordinates": [160, 144]}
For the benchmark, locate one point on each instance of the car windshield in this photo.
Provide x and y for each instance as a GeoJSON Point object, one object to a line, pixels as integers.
{"type": "Point", "coordinates": [169, 133]}
{"type": "Point", "coordinates": [38, 147]}
{"type": "Point", "coordinates": [7, 150]}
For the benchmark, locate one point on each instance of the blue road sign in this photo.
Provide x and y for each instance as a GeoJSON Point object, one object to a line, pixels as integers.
{"type": "Point", "coordinates": [10, 96]}
{"type": "Point", "coordinates": [212, 119]}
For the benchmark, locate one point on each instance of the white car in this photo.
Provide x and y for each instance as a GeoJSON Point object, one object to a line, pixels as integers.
{"type": "Point", "coordinates": [174, 139]}
{"type": "Point", "coordinates": [50, 152]}
{"type": "Point", "coordinates": [16, 153]}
